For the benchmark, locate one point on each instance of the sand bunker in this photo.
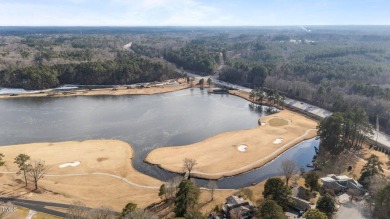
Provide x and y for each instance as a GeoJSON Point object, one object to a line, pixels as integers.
{"type": "Point", "coordinates": [278, 140]}
{"type": "Point", "coordinates": [71, 164]}
{"type": "Point", "coordinates": [242, 148]}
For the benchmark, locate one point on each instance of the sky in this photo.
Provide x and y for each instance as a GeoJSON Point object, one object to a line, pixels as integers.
{"type": "Point", "coordinates": [193, 12]}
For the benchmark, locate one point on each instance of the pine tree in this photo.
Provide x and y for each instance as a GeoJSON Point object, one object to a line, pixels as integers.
{"type": "Point", "coordinates": [186, 197]}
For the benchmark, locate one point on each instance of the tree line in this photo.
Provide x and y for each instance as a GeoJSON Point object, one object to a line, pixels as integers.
{"type": "Point", "coordinates": [195, 58]}
{"type": "Point", "coordinates": [242, 73]}
{"type": "Point", "coordinates": [127, 68]}
{"type": "Point", "coordinates": [344, 131]}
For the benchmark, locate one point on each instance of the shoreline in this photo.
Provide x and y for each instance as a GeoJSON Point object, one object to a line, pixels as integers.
{"type": "Point", "coordinates": [104, 174]}
{"type": "Point", "coordinates": [142, 196]}
{"type": "Point", "coordinates": [244, 95]}
{"type": "Point", "coordinates": [195, 175]}
{"type": "Point", "coordinates": [199, 174]}
{"type": "Point", "coordinates": [117, 91]}
{"type": "Point", "coordinates": [216, 159]}
{"type": "Point", "coordinates": [96, 183]}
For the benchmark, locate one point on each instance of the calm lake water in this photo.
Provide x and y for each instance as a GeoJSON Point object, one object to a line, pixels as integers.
{"type": "Point", "coordinates": [145, 121]}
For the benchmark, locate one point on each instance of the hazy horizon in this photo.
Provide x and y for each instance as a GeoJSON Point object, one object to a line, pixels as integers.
{"type": "Point", "coordinates": [205, 26]}
{"type": "Point", "coordinates": [181, 13]}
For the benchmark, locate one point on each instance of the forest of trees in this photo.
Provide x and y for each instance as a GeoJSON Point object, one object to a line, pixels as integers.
{"type": "Point", "coordinates": [343, 131]}
{"type": "Point", "coordinates": [334, 68]}
{"type": "Point", "coordinates": [195, 58]}
{"type": "Point", "coordinates": [127, 68]}
{"type": "Point", "coordinates": [245, 74]}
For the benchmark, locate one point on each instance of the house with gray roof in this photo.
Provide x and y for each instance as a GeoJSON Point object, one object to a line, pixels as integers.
{"type": "Point", "coordinates": [341, 183]}
{"type": "Point", "coordinates": [238, 207]}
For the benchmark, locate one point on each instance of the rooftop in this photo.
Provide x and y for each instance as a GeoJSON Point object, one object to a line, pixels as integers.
{"type": "Point", "coordinates": [333, 178]}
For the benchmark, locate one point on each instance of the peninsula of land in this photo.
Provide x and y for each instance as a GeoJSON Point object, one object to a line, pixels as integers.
{"type": "Point", "coordinates": [236, 152]}
{"type": "Point", "coordinates": [119, 90]}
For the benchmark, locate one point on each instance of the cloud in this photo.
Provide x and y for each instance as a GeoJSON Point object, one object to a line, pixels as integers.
{"type": "Point", "coordinates": [171, 12]}
{"type": "Point", "coordinates": [191, 12]}
{"type": "Point", "coordinates": [111, 12]}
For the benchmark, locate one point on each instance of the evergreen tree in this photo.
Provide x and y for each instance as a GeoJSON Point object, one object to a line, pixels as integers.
{"type": "Point", "coordinates": [2, 163]}
{"type": "Point", "coordinates": [21, 160]}
{"type": "Point", "coordinates": [326, 204]}
{"type": "Point", "coordinates": [269, 209]}
{"type": "Point", "coordinates": [276, 190]}
{"type": "Point", "coordinates": [371, 168]}
{"type": "Point", "coordinates": [311, 179]}
{"type": "Point", "coordinates": [330, 132]}
{"type": "Point", "coordinates": [186, 197]}
{"type": "Point", "coordinates": [129, 208]}
{"type": "Point", "coordinates": [315, 214]}
{"type": "Point", "coordinates": [162, 191]}
{"type": "Point", "coordinates": [382, 202]}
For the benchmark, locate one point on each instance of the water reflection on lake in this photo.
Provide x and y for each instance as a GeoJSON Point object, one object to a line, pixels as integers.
{"type": "Point", "coordinates": [145, 121]}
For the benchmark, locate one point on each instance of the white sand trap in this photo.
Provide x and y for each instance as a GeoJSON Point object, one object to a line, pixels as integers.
{"type": "Point", "coordinates": [71, 164]}
{"type": "Point", "coordinates": [242, 148]}
{"type": "Point", "coordinates": [278, 140]}
{"type": "Point", "coordinates": [263, 123]}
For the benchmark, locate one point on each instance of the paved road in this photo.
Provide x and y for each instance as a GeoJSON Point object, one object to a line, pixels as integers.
{"type": "Point", "coordinates": [38, 205]}
{"type": "Point", "coordinates": [307, 107]}
{"type": "Point", "coordinates": [355, 210]}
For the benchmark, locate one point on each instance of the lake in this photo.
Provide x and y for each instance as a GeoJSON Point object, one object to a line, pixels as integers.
{"type": "Point", "coordinates": [144, 121]}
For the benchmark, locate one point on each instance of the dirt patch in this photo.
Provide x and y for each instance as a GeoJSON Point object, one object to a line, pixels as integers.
{"type": "Point", "coordinates": [276, 122]}
{"type": "Point", "coordinates": [100, 159]}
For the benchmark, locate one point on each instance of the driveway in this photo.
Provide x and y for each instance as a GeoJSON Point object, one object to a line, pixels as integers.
{"type": "Point", "coordinates": [355, 210]}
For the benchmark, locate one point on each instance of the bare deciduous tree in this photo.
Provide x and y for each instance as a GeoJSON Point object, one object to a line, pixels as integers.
{"type": "Point", "coordinates": [171, 187]}
{"type": "Point", "coordinates": [288, 168]}
{"type": "Point", "coordinates": [212, 186]}
{"type": "Point", "coordinates": [36, 171]}
{"type": "Point", "coordinates": [101, 213]}
{"type": "Point", "coordinates": [189, 165]}
{"type": "Point", "coordinates": [77, 211]}
{"type": "Point", "coordinates": [80, 211]}
{"type": "Point", "coordinates": [140, 214]}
